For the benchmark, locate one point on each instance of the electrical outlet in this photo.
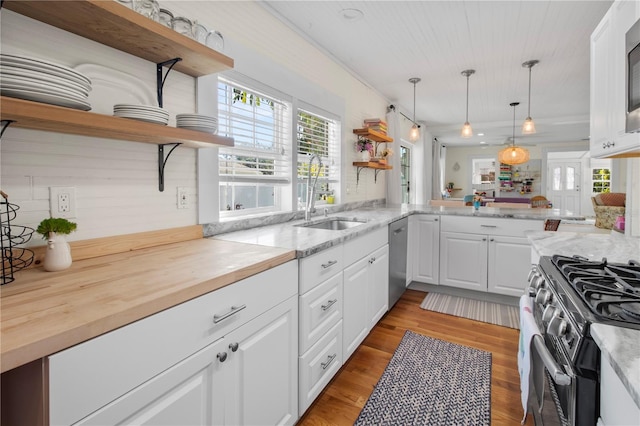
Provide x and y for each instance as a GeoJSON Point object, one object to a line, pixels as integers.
{"type": "Point", "coordinates": [62, 201]}
{"type": "Point", "coordinates": [182, 198]}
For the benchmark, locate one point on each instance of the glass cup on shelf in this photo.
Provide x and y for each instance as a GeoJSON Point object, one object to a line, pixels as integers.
{"type": "Point", "coordinates": [182, 25]}
{"type": "Point", "coordinates": [127, 3]}
{"type": "Point", "coordinates": [165, 17]}
{"type": "Point", "coordinates": [215, 41]}
{"type": "Point", "coordinates": [148, 8]}
{"type": "Point", "coordinates": [200, 32]}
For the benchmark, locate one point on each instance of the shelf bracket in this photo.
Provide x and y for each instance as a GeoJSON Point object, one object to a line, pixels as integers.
{"type": "Point", "coordinates": [161, 79]}
{"type": "Point", "coordinates": [5, 124]}
{"type": "Point", "coordinates": [162, 161]}
{"type": "Point", "coordinates": [375, 175]}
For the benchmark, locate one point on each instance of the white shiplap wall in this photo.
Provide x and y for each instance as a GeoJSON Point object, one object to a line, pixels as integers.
{"type": "Point", "coordinates": [116, 181]}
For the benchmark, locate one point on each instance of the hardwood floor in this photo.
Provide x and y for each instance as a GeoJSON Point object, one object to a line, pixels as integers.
{"type": "Point", "coordinates": [341, 401]}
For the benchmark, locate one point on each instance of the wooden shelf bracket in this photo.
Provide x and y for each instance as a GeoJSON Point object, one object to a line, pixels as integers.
{"type": "Point", "coordinates": [161, 79]}
{"type": "Point", "coordinates": [162, 162]}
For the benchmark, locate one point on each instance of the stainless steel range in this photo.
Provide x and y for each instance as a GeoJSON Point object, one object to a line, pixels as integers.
{"type": "Point", "coordinates": [571, 293]}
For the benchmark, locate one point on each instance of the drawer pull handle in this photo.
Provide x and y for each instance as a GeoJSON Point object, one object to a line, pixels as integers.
{"type": "Point", "coordinates": [222, 356]}
{"type": "Point", "coordinates": [233, 346]}
{"type": "Point", "coordinates": [329, 264]}
{"type": "Point", "coordinates": [328, 362]}
{"type": "Point", "coordinates": [488, 226]}
{"type": "Point", "coordinates": [329, 304]}
{"type": "Point", "coordinates": [234, 310]}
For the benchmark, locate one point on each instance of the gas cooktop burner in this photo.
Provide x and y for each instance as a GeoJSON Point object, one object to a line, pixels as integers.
{"type": "Point", "coordinates": [610, 290]}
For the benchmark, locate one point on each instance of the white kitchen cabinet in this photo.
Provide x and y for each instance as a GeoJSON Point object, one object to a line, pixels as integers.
{"type": "Point", "coordinates": [366, 287]}
{"type": "Point", "coordinates": [607, 105]}
{"type": "Point", "coordinates": [617, 407]}
{"type": "Point", "coordinates": [425, 250]}
{"type": "Point", "coordinates": [486, 254]}
{"type": "Point", "coordinates": [155, 368]}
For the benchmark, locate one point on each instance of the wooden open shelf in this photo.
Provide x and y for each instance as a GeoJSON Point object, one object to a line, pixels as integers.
{"type": "Point", "coordinates": [372, 135]}
{"type": "Point", "coordinates": [372, 165]}
{"type": "Point", "coordinates": [117, 26]}
{"type": "Point", "coordinates": [39, 116]}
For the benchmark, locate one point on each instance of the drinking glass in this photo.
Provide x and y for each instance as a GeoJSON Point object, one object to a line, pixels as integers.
{"type": "Point", "coordinates": [200, 32]}
{"type": "Point", "coordinates": [148, 8]}
{"type": "Point", "coordinates": [165, 17]}
{"type": "Point", "coordinates": [182, 25]}
{"type": "Point", "coordinates": [215, 41]}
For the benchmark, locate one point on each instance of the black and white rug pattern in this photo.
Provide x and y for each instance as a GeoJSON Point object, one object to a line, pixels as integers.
{"type": "Point", "coordinates": [431, 382]}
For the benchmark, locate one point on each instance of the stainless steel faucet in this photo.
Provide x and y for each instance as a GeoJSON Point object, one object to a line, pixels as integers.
{"type": "Point", "coordinates": [311, 188]}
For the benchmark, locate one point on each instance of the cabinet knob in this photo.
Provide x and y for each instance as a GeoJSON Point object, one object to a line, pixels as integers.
{"type": "Point", "coordinates": [484, 239]}
{"type": "Point", "coordinates": [222, 356]}
{"type": "Point", "coordinates": [233, 346]}
{"type": "Point", "coordinates": [435, 220]}
{"type": "Point", "coordinates": [491, 239]}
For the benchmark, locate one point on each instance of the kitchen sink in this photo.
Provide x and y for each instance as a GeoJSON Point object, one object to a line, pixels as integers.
{"type": "Point", "coordinates": [334, 223]}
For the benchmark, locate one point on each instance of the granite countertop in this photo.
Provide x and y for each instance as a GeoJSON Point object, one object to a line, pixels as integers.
{"type": "Point", "coordinates": [307, 241]}
{"type": "Point", "coordinates": [621, 347]}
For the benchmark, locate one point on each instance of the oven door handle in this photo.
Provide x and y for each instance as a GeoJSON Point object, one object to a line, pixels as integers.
{"type": "Point", "coordinates": [556, 373]}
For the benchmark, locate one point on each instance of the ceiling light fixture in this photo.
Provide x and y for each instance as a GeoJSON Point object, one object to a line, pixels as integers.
{"type": "Point", "coordinates": [414, 134]}
{"type": "Point", "coordinates": [513, 154]}
{"type": "Point", "coordinates": [467, 132]}
{"type": "Point", "coordinates": [529, 127]}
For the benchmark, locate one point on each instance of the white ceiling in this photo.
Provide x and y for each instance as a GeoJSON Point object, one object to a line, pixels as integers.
{"type": "Point", "coordinates": [437, 40]}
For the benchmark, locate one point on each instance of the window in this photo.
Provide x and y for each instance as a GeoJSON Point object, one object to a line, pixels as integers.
{"type": "Point", "coordinates": [317, 135]}
{"type": "Point", "coordinates": [601, 179]}
{"type": "Point", "coordinates": [255, 174]}
{"type": "Point", "coordinates": [405, 173]}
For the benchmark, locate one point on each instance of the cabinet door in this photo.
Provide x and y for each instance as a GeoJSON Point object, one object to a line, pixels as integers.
{"type": "Point", "coordinates": [355, 323]}
{"type": "Point", "coordinates": [378, 285]}
{"type": "Point", "coordinates": [600, 102]}
{"type": "Point", "coordinates": [426, 256]}
{"type": "Point", "coordinates": [189, 393]}
{"type": "Point", "coordinates": [463, 260]}
{"type": "Point", "coordinates": [263, 355]}
{"type": "Point", "coordinates": [509, 265]}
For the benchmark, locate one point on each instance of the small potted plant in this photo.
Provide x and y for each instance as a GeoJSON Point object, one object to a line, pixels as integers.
{"type": "Point", "coordinates": [364, 148]}
{"type": "Point", "coordinates": [385, 154]}
{"type": "Point", "coordinates": [58, 254]}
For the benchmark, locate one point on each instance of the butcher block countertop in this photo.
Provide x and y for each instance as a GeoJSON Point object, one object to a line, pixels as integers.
{"type": "Point", "coordinates": [45, 312]}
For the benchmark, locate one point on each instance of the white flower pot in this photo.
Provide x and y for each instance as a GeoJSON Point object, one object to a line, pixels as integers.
{"type": "Point", "coordinates": [58, 254]}
{"type": "Point", "coordinates": [364, 156]}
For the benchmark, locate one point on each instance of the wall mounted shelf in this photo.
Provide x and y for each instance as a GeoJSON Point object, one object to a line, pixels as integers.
{"type": "Point", "coordinates": [372, 135]}
{"type": "Point", "coordinates": [377, 138]}
{"type": "Point", "coordinates": [370, 165]}
{"type": "Point", "coordinates": [51, 118]}
{"type": "Point", "coordinates": [117, 26]}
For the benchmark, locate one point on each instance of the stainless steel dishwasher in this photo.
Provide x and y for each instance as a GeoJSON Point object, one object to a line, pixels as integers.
{"type": "Point", "coordinates": [398, 232]}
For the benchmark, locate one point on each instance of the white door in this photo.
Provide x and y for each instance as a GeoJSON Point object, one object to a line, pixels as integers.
{"type": "Point", "coordinates": [426, 255]}
{"type": "Point", "coordinates": [355, 325]}
{"type": "Point", "coordinates": [263, 355]}
{"type": "Point", "coordinates": [463, 260]}
{"type": "Point", "coordinates": [379, 285]}
{"type": "Point", "coordinates": [564, 188]}
{"type": "Point", "coordinates": [189, 393]}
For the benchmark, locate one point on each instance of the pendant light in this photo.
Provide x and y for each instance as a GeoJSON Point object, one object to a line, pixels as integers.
{"type": "Point", "coordinates": [414, 133]}
{"type": "Point", "coordinates": [513, 154]}
{"type": "Point", "coordinates": [467, 132]}
{"type": "Point", "coordinates": [529, 127]}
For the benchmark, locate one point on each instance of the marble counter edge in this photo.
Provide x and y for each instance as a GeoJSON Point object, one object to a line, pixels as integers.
{"type": "Point", "coordinates": [616, 346]}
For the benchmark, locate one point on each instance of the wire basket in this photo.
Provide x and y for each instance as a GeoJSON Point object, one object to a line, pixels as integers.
{"type": "Point", "coordinates": [13, 258]}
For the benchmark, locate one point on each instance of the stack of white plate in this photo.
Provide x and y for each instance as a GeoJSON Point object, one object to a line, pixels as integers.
{"type": "Point", "coordinates": [147, 113]}
{"type": "Point", "coordinates": [200, 123]}
{"type": "Point", "coordinates": [42, 81]}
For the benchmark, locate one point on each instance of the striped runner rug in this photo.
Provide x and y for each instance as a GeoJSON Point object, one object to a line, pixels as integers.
{"type": "Point", "coordinates": [479, 310]}
{"type": "Point", "coordinates": [430, 381]}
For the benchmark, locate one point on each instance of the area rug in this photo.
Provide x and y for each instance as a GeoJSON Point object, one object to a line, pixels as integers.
{"type": "Point", "coordinates": [431, 382]}
{"type": "Point", "coordinates": [493, 313]}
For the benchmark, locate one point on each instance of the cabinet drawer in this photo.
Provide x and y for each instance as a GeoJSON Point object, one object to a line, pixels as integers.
{"type": "Point", "coordinates": [490, 225]}
{"type": "Point", "coordinates": [318, 365]}
{"type": "Point", "coordinates": [361, 246]}
{"type": "Point", "coordinates": [89, 375]}
{"type": "Point", "coordinates": [320, 309]}
{"type": "Point", "coordinates": [319, 267]}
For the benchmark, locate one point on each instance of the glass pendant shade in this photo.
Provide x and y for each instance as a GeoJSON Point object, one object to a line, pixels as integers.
{"type": "Point", "coordinates": [528, 127]}
{"type": "Point", "coordinates": [513, 155]}
{"type": "Point", "coordinates": [467, 131]}
{"type": "Point", "coordinates": [414, 133]}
